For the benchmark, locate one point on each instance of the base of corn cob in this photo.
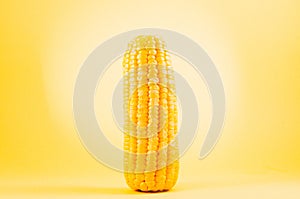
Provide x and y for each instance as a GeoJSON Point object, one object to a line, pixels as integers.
{"type": "Point", "coordinates": [150, 142]}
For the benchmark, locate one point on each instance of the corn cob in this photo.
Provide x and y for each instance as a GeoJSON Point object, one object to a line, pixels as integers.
{"type": "Point", "coordinates": [150, 116]}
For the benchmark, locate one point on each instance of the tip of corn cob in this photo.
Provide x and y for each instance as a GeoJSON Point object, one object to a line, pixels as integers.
{"type": "Point", "coordinates": [146, 42]}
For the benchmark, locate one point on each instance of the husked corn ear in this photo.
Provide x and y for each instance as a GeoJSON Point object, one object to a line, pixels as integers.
{"type": "Point", "coordinates": [150, 116]}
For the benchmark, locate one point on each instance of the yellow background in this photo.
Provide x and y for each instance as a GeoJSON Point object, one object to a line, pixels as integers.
{"type": "Point", "coordinates": [254, 44]}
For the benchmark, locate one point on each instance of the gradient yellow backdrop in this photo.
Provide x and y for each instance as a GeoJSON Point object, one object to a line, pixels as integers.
{"type": "Point", "coordinates": [254, 44]}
